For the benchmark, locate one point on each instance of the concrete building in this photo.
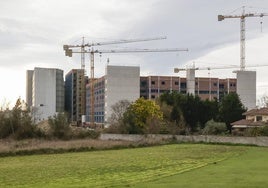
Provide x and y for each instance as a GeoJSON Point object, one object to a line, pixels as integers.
{"type": "Point", "coordinates": [119, 83]}
{"type": "Point", "coordinates": [75, 94]}
{"type": "Point", "coordinates": [152, 87]}
{"type": "Point", "coordinates": [125, 83]}
{"type": "Point", "coordinates": [246, 88]}
{"type": "Point", "coordinates": [29, 87]}
{"type": "Point", "coordinates": [45, 92]}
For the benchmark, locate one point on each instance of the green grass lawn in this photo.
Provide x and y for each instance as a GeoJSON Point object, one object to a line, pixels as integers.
{"type": "Point", "coordinates": [177, 165]}
{"type": "Point", "coordinates": [247, 170]}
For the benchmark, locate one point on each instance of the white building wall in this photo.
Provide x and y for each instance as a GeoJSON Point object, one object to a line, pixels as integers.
{"type": "Point", "coordinates": [44, 92]}
{"type": "Point", "coordinates": [190, 80]}
{"type": "Point", "coordinates": [29, 87]}
{"type": "Point", "coordinates": [246, 88]}
{"type": "Point", "coordinates": [121, 83]}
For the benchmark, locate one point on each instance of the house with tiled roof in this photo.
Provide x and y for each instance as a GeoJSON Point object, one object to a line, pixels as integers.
{"type": "Point", "coordinates": [254, 118]}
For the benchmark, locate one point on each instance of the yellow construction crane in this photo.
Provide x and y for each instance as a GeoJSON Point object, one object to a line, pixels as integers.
{"type": "Point", "coordinates": [69, 51]}
{"type": "Point", "coordinates": [242, 17]}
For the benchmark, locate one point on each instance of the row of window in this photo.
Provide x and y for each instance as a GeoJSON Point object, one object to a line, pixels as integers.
{"type": "Point", "coordinates": [98, 119]}
{"type": "Point", "coordinates": [144, 83]}
{"type": "Point", "coordinates": [196, 92]}
{"type": "Point", "coordinates": [183, 84]}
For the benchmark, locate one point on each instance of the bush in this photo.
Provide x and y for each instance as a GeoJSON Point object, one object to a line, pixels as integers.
{"type": "Point", "coordinates": [16, 123]}
{"type": "Point", "coordinates": [80, 132]}
{"type": "Point", "coordinates": [256, 131]}
{"type": "Point", "coordinates": [59, 126]}
{"type": "Point", "coordinates": [214, 128]}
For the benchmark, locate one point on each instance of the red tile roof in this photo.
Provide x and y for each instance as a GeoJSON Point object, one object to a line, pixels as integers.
{"type": "Point", "coordinates": [254, 112]}
{"type": "Point", "coordinates": [242, 122]}
{"type": "Point", "coordinates": [249, 123]}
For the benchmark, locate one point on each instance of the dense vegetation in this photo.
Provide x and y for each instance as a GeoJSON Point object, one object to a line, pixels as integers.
{"type": "Point", "coordinates": [18, 123]}
{"type": "Point", "coordinates": [172, 113]}
{"type": "Point", "coordinates": [177, 113]}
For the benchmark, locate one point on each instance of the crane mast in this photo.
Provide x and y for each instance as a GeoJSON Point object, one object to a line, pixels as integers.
{"type": "Point", "coordinates": [69, 51]}
{"type": "Point", "coordinates": [242, 32]}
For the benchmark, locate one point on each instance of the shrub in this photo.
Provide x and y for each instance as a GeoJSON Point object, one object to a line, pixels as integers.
{"type": "Point", "coordinates": [214, 128]}
{"type": "Point", "coordinates": [5, 125]}
{"type": "Point", "coordinates": [80, 132]}
{"type": "Point", "coordinates": [59, 126]}
{"type": "Point", "coordinates": [256, 131]}
{"type": "Point", "coordinates": [16, 123]}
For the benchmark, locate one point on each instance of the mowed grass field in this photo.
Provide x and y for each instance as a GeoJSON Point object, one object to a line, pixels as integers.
{"type": "Point", "coordinates": [176, 165]}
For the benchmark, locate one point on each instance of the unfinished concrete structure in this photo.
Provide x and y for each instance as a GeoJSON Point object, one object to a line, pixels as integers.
{"type": "Point", "coordinates": [246, 88]}
{"type": "Point", "coordinates": [152, 87]}
{"type": "Point", "coordinates": [45, 92]}
{"type": "Point", "coordinates": [119, 83]}
{"type": "Point", "coordinates": [75, 94]}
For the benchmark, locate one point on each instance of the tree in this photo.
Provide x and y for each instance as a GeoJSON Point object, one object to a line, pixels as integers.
{"type": "Point", "coordinates": [17, 122]}
{"type": "Point", "coordinates": [231, 109]}
{"type": "Point", "coordinates": [59, 125]}
{"type": "Point", "coordinates": [118, 110]}
{"type": "Point", "coordinates": [190, 108]}
{"type": "Point", "coordinates": [116, 121]}
{"type": "Point", "coordinates": [263, 101]}
{"type": "Point", "coordinates": [214, 128]}
{"type": "Point", "coordinates": [139, 113]}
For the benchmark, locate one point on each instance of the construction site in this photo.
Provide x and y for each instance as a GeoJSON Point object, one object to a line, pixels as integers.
{"type": "Point", "coordinates": [88, 99]}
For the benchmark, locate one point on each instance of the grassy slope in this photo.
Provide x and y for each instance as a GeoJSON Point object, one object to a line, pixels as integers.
{"type": "Point", "coordinates": [109, 168]}
{"type": "Point", "coordinates": [247, 170]}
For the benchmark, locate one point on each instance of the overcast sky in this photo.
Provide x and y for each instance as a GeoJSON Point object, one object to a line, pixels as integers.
{"type": "Point", "coordinates": [32, 33]}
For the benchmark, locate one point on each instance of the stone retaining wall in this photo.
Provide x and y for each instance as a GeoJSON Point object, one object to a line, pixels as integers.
{"type": "Point", "coordinates": [259, 141]}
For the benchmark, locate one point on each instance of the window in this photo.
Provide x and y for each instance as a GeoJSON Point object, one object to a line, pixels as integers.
{"type": "Point", "coordinates": [143, 91]}
{"type": "Point", "coordinates": [221, 86]}
{"type": "Point", "coordinates": [204, 92]}
{"type": "Point", "coordinates": [154, 90]}
{"type": "Point", "coordinates": [183, 85]}
{"type": "Point", "coordinates": [153, 82]}
{"type": "Point", "coordinates": [258, 118]}
{"type": "Point", "coordinates": [176, 83]}
{"type": "Point", "coordinates": [163, 83]}
{"type": "Point", "coordinates": [143, 83]}
{"type": "Point", "coordinates": [215, 84]}
{"type": "Point", "coordinates": [153, 96]}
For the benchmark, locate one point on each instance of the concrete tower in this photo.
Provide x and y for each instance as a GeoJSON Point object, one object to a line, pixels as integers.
{"type": "Point", "coordinates": [47, 97]}
{"type": "Point", "coordinates": [246, 88]}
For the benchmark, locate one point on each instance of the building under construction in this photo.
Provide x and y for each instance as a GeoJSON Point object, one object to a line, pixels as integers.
{"type": "Point", "coordinates": [119, 83]}
{"type": "Point", "coordinates": [44, 92]}
{"type": "Point", "coordinates": [125, 83]}
{"type": "Point", "coordinates": [75, 94]}
{"type": "Point", "coordinates": [152, 87]}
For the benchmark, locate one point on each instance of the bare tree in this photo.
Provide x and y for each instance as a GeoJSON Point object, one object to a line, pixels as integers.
{"type": "Point", "coordinates": [118, 110]}
{"type": "Point", "coordinates": [263, 101]}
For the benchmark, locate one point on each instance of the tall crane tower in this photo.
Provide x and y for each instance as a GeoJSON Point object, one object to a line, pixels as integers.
{"type": "Point", "coordinates": [242, 17]}
{"type": "Point", "coordinates": [88, 48]}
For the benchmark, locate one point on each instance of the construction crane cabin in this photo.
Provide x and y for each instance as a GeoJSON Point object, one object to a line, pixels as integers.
{"type": "Point", "coordinates": [246, 80]}
{"type": "Point", "coordinates": [88, 48]}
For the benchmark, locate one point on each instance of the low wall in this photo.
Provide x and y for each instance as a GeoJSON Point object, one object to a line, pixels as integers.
{"type": "Point", "coordinates": [259, 141]}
